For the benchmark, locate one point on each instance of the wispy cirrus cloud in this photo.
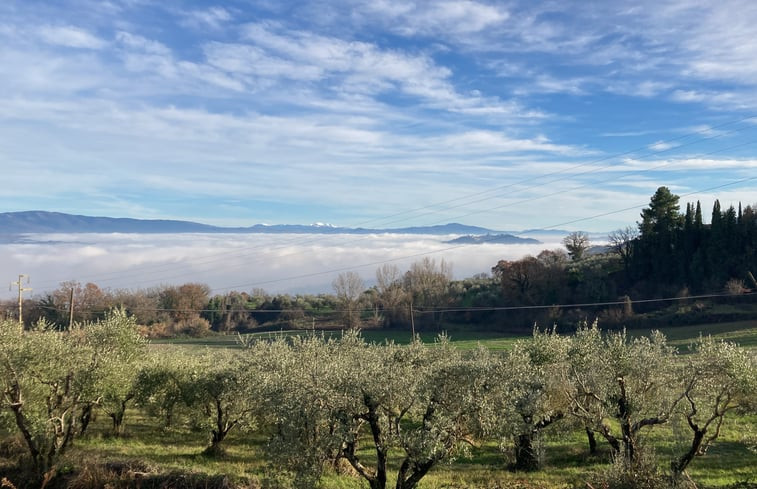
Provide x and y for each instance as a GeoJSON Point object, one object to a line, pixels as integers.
{"type": "Point", "coordinates": [435, 18]}
{"type": "Point", "coordinates": [212, 17]}
{"type": "Point", "coordinates": [662, 145]}
{"type": "Point", "coordinates": [70, 36]}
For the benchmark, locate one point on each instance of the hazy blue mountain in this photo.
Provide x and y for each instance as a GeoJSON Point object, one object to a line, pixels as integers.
{"type": "Point", "coordinates": [492, 239]}
{"type": "Point", "coordinates": [56, 222]}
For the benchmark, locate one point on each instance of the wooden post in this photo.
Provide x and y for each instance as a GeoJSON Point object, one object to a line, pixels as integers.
{"type": "Point", "coordinates": [412, 320]}
{"type": "Point", "coordinates": [21, 290]}
{"type": "Point", "coordinates": [71, 309]}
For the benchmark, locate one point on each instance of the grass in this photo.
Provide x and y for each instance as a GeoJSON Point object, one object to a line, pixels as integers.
{"type": "Point", "coordinates": [743, 332]}
{"type": "Point", "coordinates": [461, 339]}
{"type": "Point", "coordinates": [566, 460]}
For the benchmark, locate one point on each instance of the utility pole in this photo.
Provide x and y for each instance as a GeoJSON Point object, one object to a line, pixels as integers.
{"type": "Point", "coordinates": [71, 309]}
{"type": "Point", "coordinates": [412, 319]}
{"type": "Point", "coordinates": [21, 290]}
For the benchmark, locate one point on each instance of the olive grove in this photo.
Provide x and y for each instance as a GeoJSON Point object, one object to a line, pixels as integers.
{"type": "Point", "coordinates": [391, 413]}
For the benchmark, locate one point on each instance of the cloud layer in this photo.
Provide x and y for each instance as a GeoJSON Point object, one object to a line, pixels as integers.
{"type": "Point", "coordinates": [276, 263]}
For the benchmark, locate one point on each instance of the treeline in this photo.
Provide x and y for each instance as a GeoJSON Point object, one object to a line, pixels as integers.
{"type": "Point", "coordinates": [675, 249]}
{"type": "Point", "coordinates": [319, 402]}
{"type": "Point", "coordinates": [655, 271]}
{"type": "Point", "coordinates": [652, 274]}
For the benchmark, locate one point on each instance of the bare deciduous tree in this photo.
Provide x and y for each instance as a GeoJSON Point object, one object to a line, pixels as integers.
{"type": "Point", "coordinates": [349, 288]}
{"type": "Point", "coordinates": [621, 243]}
{"type": "Point", "coordinates": [576, 243]}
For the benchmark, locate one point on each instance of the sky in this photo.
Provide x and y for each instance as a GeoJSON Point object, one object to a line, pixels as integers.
{"type": "Point", "coordinates": [377, 113]}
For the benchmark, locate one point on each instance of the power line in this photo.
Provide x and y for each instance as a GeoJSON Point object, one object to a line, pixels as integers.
{"type": "Point", "coordinates": [587, 185]}
{"type": "Point", "coordinates": [449, 248]}
{"type": "Point", "coordinates": [434, 309]}
{"type": "Point", "coordinates": [216, 257]}
{"type": "Point", "coordinates": [574, 175]}
{"type": "Point", "coordinates": [417, 255]}
{"type": "Point", "coordinates": [599, 160]}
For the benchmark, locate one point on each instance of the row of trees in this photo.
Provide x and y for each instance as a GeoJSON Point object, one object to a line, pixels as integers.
{"type": "Point", "coordinates": [678, 249]}
{"type": "Point", "coordinates": [191, 310]}
{"type": "Point", "coordinates": [320, 400]}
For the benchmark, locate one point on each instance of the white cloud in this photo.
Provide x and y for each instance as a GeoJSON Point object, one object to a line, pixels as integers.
{"type": "Point", "coordinates": [440, 17]}
{"type": "Point", "coordinates": [213, 17]}
{"type": "Point", "coordinates": [699, 169]}
{"type": "Point", "coordinates": [490, 142]}
{"type": "Point", "coordinates": [70, 36]}
{"type": "Point", "coordinates": [138, 43]}
{"type": "Point", "coordinates": [718, 99]}
{"type": "Point", "coordinates": [244, 59]}
{"type": "Point", "coordinates": [360, 59]}
{"type": "Point", "coordinates": [644, 89]}
{"type": "Point", "coordinates": [720, 43]}
{"type": "Point", "coordinates": [148, 56]}
{"type": "Point", "coordinates": [662, 146]}
{"type": "Point", "coordinates": [356, 67]}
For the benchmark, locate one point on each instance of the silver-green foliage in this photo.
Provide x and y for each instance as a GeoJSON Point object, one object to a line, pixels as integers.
{"type": "Point", "coordinates": [326, 397]}
{"type": "Point", "coordinates": [533, 395]}
{"type": "Point", "coordinates": [48, 377]}
{"type": "Point", "coordinates": [622, 387]}
{"type": "Point", "coordinates": [716, 379]}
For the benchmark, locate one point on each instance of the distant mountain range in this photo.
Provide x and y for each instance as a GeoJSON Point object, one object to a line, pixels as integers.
{"type": "Point", "coordinates": [28, 222]}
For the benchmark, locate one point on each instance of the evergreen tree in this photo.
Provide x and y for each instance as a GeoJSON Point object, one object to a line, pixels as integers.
{"type": "Point", "coordinates": [659, 230]}
{"type": "Point", "coordinates": [698, 223]}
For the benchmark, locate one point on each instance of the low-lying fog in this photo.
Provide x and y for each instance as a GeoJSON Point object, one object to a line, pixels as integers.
{"type": "Point", "coordinates": [294, 263]}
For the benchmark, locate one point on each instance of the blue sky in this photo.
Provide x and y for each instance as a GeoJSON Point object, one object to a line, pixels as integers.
{"type": "Point", "coordinates": [380, 113]}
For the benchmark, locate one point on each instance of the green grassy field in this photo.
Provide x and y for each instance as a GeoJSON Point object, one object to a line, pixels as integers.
{"type": "Point", "coordinates": [744, 333]}
{"type": "Point", "coordinates": [462, 339]}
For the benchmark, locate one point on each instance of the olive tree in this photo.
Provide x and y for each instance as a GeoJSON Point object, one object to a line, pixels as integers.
{"type": "Point", "coordinates": [299, 404]}
{"type": "Point", "coordinates": [48, 377]}
{"type": "Point", "coordinates": [716, 379]}
{"type": "Point", "coordinates": [160, 386]}
{"type": "Point", "coordinates": [426, 401]}
{"type": "Point", "coordinates": [534, 398]}
{"type": "Point", "coordinates": [421, 401]}
{"type": "Point", "coordinates": [117, 350]}
{"type": "Point", "coordinates": [219, 393]}
{"type": "Point", "coordinates": [630, 381]}
{"type": "Point", "coordinates": [40, 379]}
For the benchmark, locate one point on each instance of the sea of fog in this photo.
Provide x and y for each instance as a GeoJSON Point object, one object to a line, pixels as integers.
{"type": "Point", "coordinates": [291, 263]}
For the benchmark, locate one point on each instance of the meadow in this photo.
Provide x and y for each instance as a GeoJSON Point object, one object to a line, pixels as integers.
{"type": "Point", "coordinates": [743, 333]}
